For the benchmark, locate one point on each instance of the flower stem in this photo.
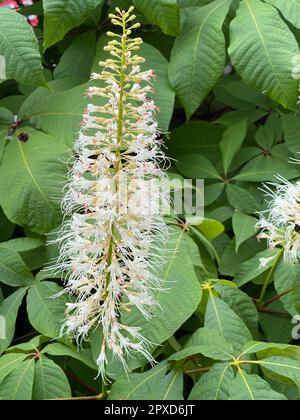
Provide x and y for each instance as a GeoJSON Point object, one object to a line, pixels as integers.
{"type": "Point", "coordinates": [269, 277]}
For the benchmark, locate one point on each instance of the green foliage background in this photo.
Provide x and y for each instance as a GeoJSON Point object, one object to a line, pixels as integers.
{"type": "Point", "coordinates": [236, 128]}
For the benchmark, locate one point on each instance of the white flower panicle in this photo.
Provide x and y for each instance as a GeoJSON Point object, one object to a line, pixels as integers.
{"type": "Point", "coordinates": [280, 224]}
{"type": "Point", "coordinates": [113, 205]}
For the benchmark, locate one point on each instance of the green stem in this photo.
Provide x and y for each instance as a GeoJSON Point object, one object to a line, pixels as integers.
{"type": "Point", "coordinates": [90, 398]}
{"type": "Point", "coordinates": [119, 137]}
{"type": "Point", "coordinates": [269, 277]}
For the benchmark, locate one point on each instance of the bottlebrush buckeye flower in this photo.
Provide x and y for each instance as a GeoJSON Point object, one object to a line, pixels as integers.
{"type": "Point", "coordinates": [113, 201]}
{"type": "Point", "coordinates": [280, 224]}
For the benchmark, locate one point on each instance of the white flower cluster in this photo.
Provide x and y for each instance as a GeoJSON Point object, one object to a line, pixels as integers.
{"type": "Point", "coordinates": [114, 224]}
{"type": "Point", "coordinates": [280, 224]}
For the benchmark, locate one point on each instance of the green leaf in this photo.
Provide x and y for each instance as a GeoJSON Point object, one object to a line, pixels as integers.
{"type": "Point", "coordinates": [45, 311]}
{"type": "Point", "coordinates": [29, 193]}
{"type": "Point", "coordinates": [210, 135]}
{"type": "Point", "coordinates": [241, 199]}
{"type": "Point", "coordinates": [197, 167]}
{"type": "Point", "coordinates": [285, 278]}
{"type": "Point", "coordinates": [207, 342]}
{"type": "Point", "coordinates": [252, 268]}
{"type": "Point", "coordinates": [220, 317]}
{"type": "Point", "coordinates": [29, 346]}
{"type": "Point", "coordinates": [231, 261]}
{"type": "Point", "coordinates": [289, 9]}
{"type": "Point", "coordinates": [63, 15]}
{"type": "Point", "coordinates": [240, 303]}
{"type": "Point", "coordinates": [18, 384]}
{"type": "Point", "coordinates": [32, 250]}
{"type": "Point", "coordinates": [163, 13]}
{"type": "Point", "coordinates": [6, 227]}
{"type": "Point", "coordinates": [9, 310]}
{"type": "Point", "coordinates": [271, 349]}
{"type": "Point", "coordinates": [9, 362]}
{"type": "Point", "coordinates": [251, 387]}
{"type": "Point", "coordinates": [50, 381]}
{"type": "Point", "coordinates": [19, 47]}
{"type": "Point", "coordinates": [214, 385]}
{"type": "Point", "coordinates": [265, 138]}
{"type": "Point", "coordinates": [144, 386]}
{"type": "Point", "coordinates": [198, 55]}
{"type": "Point", "coordinates": [76, 61]}
{"type": "Point", "coordinates": [276, 328]}
{"type": "Point", "coordinates": [232, 142]}
{"type": "Point", "coordinates": [59, 349]}
{"type": "Point", "coordinates": [58, 114]}
{"type": "Point", "coordinates": [291, 128]}
{"type": "Point", "coordinates": [211, 228]}
{"type": "Point", "coordinates": [244, 227]}
{"type": "Point", "coordinates": [287, 368]}
{"type": "Point", "coordinates": [164, 96]}
{"type": "Point", "coordinates": [213, 192]}
{"type": "Point", "coordinates": [13, 271]}
{"type": "Point", "coordinates": [263, 60]}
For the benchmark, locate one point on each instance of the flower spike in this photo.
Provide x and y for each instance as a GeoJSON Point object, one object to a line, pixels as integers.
{"type": "Point", "coordinates": [114, 225]}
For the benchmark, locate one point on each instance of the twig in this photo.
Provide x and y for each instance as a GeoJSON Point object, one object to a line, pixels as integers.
{"type": "Point", "coordinates": [198, 370]}
{"type": "Point", "coordinates": [274, 312]}
{"type": "Point", "coordinates": [268, 303]}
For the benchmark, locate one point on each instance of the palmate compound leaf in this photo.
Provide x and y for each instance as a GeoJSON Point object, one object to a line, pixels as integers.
{"type": "Point", "coordinates": [19, 47]}
{"type": "Point", "coordinates": [252, 387]}
{"type": "Point", "coordinates": [262, 48]}
{"type": "Point", "coordinates": [198, 55]}
{"type": "Point", "coordinates": [158, 383]}
{"type": "Point", "coordinates": [177, 301]}
{"type": "Point", "coordinates": [215, 384]}
{"type": "Point", "coordinates": [63, 15]}
{"type": "Point", "coordinates": [9, 310]}
{"type": "Point", "coordinates": [32, 177]}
